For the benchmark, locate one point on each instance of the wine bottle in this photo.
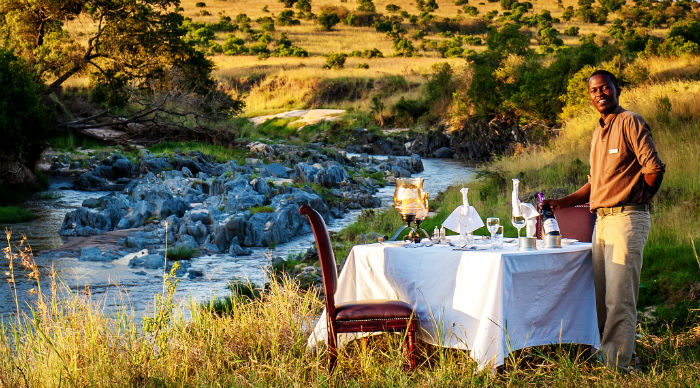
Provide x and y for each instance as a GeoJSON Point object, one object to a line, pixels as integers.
{"type": "Point", "coordinates": [549, 222]}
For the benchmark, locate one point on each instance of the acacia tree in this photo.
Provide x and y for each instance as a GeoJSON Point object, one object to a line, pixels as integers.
{"type": "Point", "coordinates": [120, 41]}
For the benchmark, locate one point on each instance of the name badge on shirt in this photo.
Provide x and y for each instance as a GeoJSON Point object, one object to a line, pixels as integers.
{"type": "Point", "coordinates": [612, 151]}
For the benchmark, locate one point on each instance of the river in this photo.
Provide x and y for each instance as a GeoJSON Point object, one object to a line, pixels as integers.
{"type": "Point", "coordinates": [115, 284]}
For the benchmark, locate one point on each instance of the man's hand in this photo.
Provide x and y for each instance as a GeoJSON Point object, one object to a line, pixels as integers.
{"type": "Point", "coordinates": [553, 203]}
{"type": "Point", "coordinates": [580, 197]}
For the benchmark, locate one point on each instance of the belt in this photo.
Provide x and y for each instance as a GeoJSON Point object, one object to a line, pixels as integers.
{"type": "Point", "coordinates": [608, 211]}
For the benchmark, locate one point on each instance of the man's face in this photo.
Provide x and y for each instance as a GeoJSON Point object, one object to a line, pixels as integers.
{"type": "Point", "coordinates": [603, 94]}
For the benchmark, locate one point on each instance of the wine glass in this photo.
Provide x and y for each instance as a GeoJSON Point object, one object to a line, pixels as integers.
{"type": "Point", "coordinates": [492, 224]}
{"type": "Point", "coordinates": [518, 223]}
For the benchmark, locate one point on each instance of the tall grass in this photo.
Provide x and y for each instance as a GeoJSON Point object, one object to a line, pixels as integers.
{"type": "Point", "coordinates": [262, 341]}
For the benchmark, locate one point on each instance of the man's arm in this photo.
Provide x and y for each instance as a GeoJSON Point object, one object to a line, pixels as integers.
{"type": "Point", "coordinates": [579, 197]}
{"type": "Point", "coordinates": [653, 182]}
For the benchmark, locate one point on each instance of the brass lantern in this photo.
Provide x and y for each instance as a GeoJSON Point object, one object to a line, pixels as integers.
{"type": "Point", "coordinates": [412, 203]}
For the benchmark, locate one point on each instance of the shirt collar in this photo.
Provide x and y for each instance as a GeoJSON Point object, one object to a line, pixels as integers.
{"type": "Point", "coordinates": [609, 118]}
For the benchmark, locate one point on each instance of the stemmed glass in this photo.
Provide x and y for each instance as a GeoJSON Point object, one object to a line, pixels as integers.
{"type": "Point", "coordinates": [492, 224]}
{"type": "Point", "coordinates": [518, 223]}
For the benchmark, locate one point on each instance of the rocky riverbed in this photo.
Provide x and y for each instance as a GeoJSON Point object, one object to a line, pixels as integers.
{"type": "Point", "coordinates": [196, 203]}
{"type": "Point", "coordinates": [114, 282]}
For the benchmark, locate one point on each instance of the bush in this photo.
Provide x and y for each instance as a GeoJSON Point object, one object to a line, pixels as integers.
{"type": "Point", "coordinates": [200, 4]}
{"type": "Point", "coordinates": [24, 118]}
{"type": "Point", "coordinates": [366, 6]}
{"type": "Point", "coordinates": [234, 46]}
{"type": "Point", "coordinates": [363, 65]}
{"type": "Point", "coordinates": [404, 47]}
{"type": "Point", "coordinates": [328, 20]}
{"type": "Point", "coordinates": [409, 111]}
{"type": "Point", "coordinates": [335, 61]}
{"type": "Point", "coordinates": [286, 18]}
{"type": "Point", "coordinates": [571, 31]}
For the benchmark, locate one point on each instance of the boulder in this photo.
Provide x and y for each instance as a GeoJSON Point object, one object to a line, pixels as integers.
{"type": "Point", "coordinates": [173, 206]}
{"type": "Point", "coordinates": [153, 261]}
{"type": "Point", "coordinates": [122, 167]}
{"type": "Point", "coordinates": [154, 165]}
{"type": "Point", "coordinates": [200, 215]}
{"type": "Point", "coordinates": [84, 222]}
{"type": "Point", "coordinates": [88, 181]}
{"type": "Point", "coordinates": [328, 174]}
{"type": "Point", "coordinates": [95, 254]}
{"type": "Point", "coordinates": [197, 230]}
{"type": "Point", "coordinates": [276, 170]}
{"type": "Point", "coordinates": [443, 153]}
{"type": "Point", "coordinates": [138, 215]}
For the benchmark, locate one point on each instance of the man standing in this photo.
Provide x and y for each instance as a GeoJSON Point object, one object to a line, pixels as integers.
{"type": "Point", "coordinates": [625, 174]}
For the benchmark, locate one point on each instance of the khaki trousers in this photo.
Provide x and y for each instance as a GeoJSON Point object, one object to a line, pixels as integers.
{"type": "Point", "coordinates": [618, 244]}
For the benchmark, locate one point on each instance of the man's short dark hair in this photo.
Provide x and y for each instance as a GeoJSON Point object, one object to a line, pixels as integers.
{"type": "Point", "coordinates": [608, 74]}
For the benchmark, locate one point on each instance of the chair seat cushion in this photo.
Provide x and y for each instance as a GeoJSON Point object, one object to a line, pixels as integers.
{"type": "Point", "coordinates": [373, 309]}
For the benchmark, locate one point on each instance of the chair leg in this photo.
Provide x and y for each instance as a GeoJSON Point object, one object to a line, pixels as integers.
{"type": "Point", "coordinates": [332, 351]}
{"type": "Point", "coordinates": [411, 349]}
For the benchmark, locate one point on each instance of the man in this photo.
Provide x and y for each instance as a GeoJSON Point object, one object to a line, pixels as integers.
{"type": "Point", "coordinates": [625, 174]}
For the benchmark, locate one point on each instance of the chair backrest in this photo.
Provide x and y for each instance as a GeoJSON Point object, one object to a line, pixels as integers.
{"type": "Point", "coordinates": [329, 271]}
{"type": "Point", "coordinates": [576, 222]}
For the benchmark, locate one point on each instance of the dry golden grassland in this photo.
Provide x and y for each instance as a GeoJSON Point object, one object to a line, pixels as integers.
{"type": "Point", "coordinates": [291, 83]}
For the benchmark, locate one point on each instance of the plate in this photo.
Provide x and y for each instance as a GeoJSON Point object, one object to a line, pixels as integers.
{"type": "Point", "coordinates": [568, 241]}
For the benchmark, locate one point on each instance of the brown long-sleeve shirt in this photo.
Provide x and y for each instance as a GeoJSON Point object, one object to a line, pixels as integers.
{"type": "Point", "coordinates": [622, 151]}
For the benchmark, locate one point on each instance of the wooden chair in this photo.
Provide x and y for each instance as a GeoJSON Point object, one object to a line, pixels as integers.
{"type": "Point", "coordinates": [574, 222]}
{"type": "Point", "coordinates": [360, 316]}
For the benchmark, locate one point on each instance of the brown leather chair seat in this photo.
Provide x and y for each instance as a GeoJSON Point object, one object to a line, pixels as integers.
{"type": "Point", "coordinates": [373, 309]}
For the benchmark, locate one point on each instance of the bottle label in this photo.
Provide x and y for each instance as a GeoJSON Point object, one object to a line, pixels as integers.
{"type": "Point", "coordinates": [550, 225]}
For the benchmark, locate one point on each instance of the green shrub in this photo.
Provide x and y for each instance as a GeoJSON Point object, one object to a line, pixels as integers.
{"type": "Point", "coordinates": [13, 214]}
{"type": "Point", "coordinates": [363, 65]}
{"type": "Point", "coordinates": [366, 6]}
{"type": "Point", "coordinates": [286, 18]}
{"type": "Point", "coordinates": [571, 31]}
{"type": "Point", "coordinates": [335, 61]}
{"type": "Point", "coordinates": [471, 10]}
{"type": "Point", "coordinates": [404, 47]}
{"type": "Point", "coordinates": [200, 4]}
{"type": "Point", "coordinates": [328, 20]}
{"type": "Point", "coordinates": [234, 46]}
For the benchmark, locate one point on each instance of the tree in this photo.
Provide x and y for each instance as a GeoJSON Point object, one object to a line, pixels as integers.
{"type": "Point", "coordinates": [327, 20]}
{"type": "Point", "coordinates": [366, 6]}
{"type": "Point", "coordinates": [24, 119]}
{"type": "Point", "coordinates": [127, 41]}
{"type": "Point", "coordinates": [426, 6]}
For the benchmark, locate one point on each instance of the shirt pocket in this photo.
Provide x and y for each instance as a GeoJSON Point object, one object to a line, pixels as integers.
{"type": "Point", "coordinates": [617, 159]}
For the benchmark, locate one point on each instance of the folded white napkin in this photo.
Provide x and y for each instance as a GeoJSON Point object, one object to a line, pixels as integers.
{"type": "Point", "coordinates": [469, 219]}
{"type": "Point", "coordinates": [530, 213]}
{"type": "Point", "coordinates": [527, 210]}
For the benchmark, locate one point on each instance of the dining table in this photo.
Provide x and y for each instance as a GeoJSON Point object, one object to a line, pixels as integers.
{"type": "Point", "coordinates": [490, 302]}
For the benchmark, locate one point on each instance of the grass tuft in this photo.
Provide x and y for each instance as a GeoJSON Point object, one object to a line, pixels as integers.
{"type": "Point", "coordinates": [13, 214]}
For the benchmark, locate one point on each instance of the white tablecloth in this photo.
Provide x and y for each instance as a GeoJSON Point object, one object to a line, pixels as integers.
{"type": "Point", "coordinates": [489, 302]}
